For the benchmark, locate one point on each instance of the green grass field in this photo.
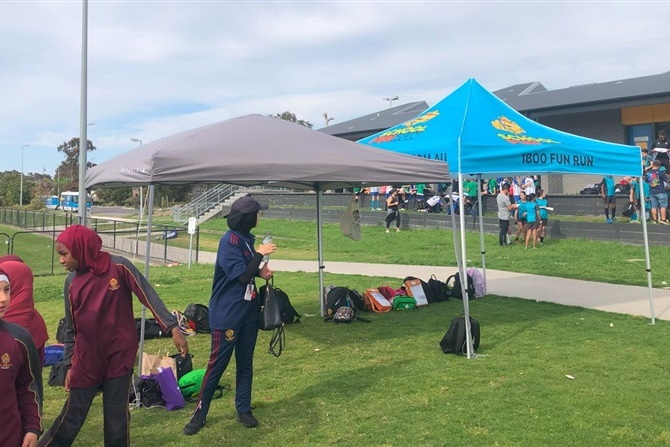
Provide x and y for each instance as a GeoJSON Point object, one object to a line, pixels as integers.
{"type": "Point", "coordinates": [387, 383]}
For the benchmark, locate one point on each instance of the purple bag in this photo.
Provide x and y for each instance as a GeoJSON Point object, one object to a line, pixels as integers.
{"type": "Point", "coordinates": [172, 396]}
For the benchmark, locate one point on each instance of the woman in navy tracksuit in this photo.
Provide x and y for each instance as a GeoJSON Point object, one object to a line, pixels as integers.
{"type": "Point", "coordinates": [233, 311]}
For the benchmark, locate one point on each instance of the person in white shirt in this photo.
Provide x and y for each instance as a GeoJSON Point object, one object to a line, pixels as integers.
{"type": "Point", "coordinates": [529, 185]}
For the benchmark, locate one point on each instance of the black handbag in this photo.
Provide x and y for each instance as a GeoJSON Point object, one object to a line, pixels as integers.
{"type": "Point", "coordinates": [270, 318]}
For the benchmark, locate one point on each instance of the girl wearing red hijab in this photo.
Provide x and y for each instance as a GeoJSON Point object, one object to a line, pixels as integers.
{"type": "Point", "coordinates": [22, 310]}
{"type": "Point", "coordinates": [100, 335]}
{"type": "Point", "coordinates": [20, 379]}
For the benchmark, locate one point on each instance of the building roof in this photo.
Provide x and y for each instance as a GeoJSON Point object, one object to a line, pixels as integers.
{"type": "Point", "coordinates": [534, 97]}
{"type": "Point", "coordinates": [377, 121]}
{"type": "Point", "coordinates": [530, 98]}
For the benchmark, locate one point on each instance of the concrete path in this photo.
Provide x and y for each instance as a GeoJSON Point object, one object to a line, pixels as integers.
{"type": "Point", "coordinates": [631, 300]}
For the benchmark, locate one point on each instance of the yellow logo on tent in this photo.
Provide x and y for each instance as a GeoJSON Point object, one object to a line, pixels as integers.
{"type": "Point", "coordinates": [422, 119]}
{"type": "Point", "coordinates": [507, 125]}
{"type": "Point", "coordinates": [515, 133]}
{"type": "Point", "coordinates": [406, 131]}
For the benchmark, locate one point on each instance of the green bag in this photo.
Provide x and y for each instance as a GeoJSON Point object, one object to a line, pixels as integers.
{"type": "Point", "coordinates": [190, 383]}
{"type": "Point", "coordinates": [404, 303]}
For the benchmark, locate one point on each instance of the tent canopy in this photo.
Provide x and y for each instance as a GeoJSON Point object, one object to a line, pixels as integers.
{"type": "Point", "coordinates": [256, 150]}
{"type": "Point", "coordinates": [477, 133]}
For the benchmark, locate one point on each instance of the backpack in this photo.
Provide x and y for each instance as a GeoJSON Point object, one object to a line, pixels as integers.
{"type": "Point", "coordinates": [198, 316]}
{"type": "Point", "coordinates": [191, 383]}
{"type": "Point", "coordinates": [148, 391]}
{"type": "Point", "coordinates": [336, 298]}
{"type": "Point", "coordinates": [478, 281]}
{"type": "Point", "coordinates": [455, 290]}
{"type": "Point", "coordinates": [426, 288]}
{"type": "Point", "coordinates": [630, 210]}
{"type": "Point", "coordinates": [438, 288]}
{"type": "Point", "coordinates": [342, 296]}
{"type": "Point", "coordinates": [288, 313]}
{"type": "Point", "coordinates": [344, 314]}
{"type": "Point", "coordinates": [454, 341]}
{"type": "Point", "coordinates": [151, 329]}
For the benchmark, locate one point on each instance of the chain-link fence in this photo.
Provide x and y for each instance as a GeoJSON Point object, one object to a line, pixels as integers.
{"type": "Point", "coordinates": [169, 244]}
{"type": "Point", "coordinates": [36, 219]}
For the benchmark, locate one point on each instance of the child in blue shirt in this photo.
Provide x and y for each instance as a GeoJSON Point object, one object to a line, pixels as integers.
{"type": "Point", "coordinates": [541, 202]}
{"type": "Point", "coordinates": [608, 191]}
{"type": "Point", "coordinates": [520, 216]}
{"type": "Point", "coordinates": [532, 220]}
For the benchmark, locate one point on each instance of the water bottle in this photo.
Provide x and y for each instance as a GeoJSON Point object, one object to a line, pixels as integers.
{"type": "Point", "coordinates": [267, 240]}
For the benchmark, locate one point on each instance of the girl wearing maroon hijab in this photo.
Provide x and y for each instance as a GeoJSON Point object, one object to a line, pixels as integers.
{"type": "Point", "coordinates": [22, 310]}
{"type": "Point", "coordinates": [100, 335]}
{"type": "Point", "coordinates": [20, 379]}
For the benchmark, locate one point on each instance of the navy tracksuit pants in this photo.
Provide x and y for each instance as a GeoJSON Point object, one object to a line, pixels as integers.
{"type": "Point", "coordinates": [224, 342]}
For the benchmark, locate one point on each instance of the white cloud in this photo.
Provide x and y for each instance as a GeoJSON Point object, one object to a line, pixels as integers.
{"type": "Point", "coordinates": [157, 68]}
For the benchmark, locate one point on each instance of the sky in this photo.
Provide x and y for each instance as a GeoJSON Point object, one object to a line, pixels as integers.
{"type": "Point", "coordinates": [156, 68]}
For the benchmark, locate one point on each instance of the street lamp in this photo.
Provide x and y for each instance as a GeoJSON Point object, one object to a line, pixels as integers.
{"type": "Point", "coordinates": [21, 190]}
{"type": "Point", "coordinates": [391, 99]}
{"type": "Point", "coordinates": [137, 140]}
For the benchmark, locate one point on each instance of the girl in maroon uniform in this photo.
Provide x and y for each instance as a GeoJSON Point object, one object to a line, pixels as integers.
{"type": "Point", "coordinates": [20, 380]}
{"type": "Point", "coordinates": [100, 335]}
{"type": "Point", "coordinates": [22, 311]}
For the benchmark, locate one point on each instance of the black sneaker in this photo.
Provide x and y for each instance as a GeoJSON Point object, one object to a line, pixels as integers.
{"type": "Point", "coordinates": [195, 424]}
{"type": "Point", "coordinates": [247, 419]}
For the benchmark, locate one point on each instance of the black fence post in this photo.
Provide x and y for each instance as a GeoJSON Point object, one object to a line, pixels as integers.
{"type": "Point", "coordinates": [114, 238]}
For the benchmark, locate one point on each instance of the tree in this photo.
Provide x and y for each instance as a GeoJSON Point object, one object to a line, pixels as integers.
{"type": "Point", "coordinates": [288, 116]}
{"type": "Point", "coordinates": [69, 169]}
{"type": "Point", "coordinates": [41, 189]}
{"type": "Point", "coordinates": [114, 196]}
{"type": "Point", "coordinates": [9, 187]}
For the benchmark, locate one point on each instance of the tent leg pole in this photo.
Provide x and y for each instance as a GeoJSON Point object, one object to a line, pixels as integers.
{"type": "Point", "coordinates": [147, 258]}
{"type": "Point", "coordinates": [463, 270]}
{"type": "Point", "coordinates": [482, 245]}
{"type": "Point", "coordinates": [319, 249]}
{"type": "Point", "coordinates": [647, 259]}
{"type": "Point", "coordinates": [454, 231]}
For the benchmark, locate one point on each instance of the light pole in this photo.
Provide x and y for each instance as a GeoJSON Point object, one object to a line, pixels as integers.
{"type": "Point", "coordinates": [391, 99]}
{"type": "Point", "coordinates": [21, 187]}
{"type": "Point", "coordinates": [137, 140]}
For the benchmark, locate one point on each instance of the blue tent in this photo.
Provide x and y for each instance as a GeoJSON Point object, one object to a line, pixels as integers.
{"type": "Point", "coordinates": [479, 135]}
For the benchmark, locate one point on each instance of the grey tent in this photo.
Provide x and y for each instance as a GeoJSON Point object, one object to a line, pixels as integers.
{"type": "Point", "coordinates": [259, 150]}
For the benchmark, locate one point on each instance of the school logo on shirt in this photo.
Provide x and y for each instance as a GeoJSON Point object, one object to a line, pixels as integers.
{"type": "Point", "coordinates": [230, 335]}
{"type": "Point", "coordinates": [113, 284]}
{"type": "Point", "coordinates": [5, 361]}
